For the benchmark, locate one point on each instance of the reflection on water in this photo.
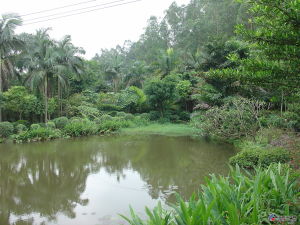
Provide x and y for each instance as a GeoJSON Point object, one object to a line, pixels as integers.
{"type": "Point", "coordinates": [91, 180]}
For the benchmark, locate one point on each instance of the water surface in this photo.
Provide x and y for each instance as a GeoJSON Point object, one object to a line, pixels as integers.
{"type": "Point", "coordinates": [91, 180]}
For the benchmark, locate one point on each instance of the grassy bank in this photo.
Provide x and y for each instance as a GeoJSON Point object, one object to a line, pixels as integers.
{"type": "Point", "coordinates": [162, 129]}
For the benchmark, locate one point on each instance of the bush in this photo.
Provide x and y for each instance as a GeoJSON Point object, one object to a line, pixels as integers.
{"type": "Point", "coordinates": [251, 158]}
{"type": "Point", "coordinates": [114, 125]}
{"type": "Point", "coordinates": [129, 116]}
{"type": "Point", "coordinates": [106, 117]}
{"type": "Point", "coordinates": [126, 116]}
{"type": "Point", "coordinates": [75, 118]}
{"type": "Point", "coordinates": [145, 116]}
{"type": "Point", "coordinates": [154, 115]}
{"type": "Point", "coordinates": [141, 120]}
{"type": "Point", "coordinates": [61, 122]}
{"type": "Point", "coordinates": [6, 129]}
{"type": "Point", "coordinates": [241, 198]}
{"type": "Point", "coordinates": [20, 128]}
{"type": "Point", "coordinates": [38, 134]}
{"type": "Point", "coordinates": [51, 125]}
{"type": "Point", "coordinates": [288, 120]}
{"type": "Point", "coordinates": [121, 114]}
{"type": "Point", "coordinates": [88, 112]}
{"type": "Point", "coordinates": [76, 128]}
{"type": "Point", "coordinates": [35, 126]}
{"type": "Point", "coordinates": [24, 122]}
{"type": "Point", "coordinates": [236, 119]}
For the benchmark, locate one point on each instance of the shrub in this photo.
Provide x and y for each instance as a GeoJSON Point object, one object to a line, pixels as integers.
{"type": "Point", "coordinates": [35, 126]}
{"type": "Point", "coordinates": [113, 113]}
{"type": "Point", "coordinates": [126, 116]}
{"type": "Point", "coordinates": [141, 120]}
{"type": "Point", "coordinates": [20, 128]}
{"type": "Point", "coordinates": [38, 134]}
{"type": "Point", "coordinates": [264, 157]}
{"type": "Point", "coordinates": [75, 118]}
{"type": "Point", "coordinates": [24, 122]}
{"type": "Point", "coordinates": [61, 122]}
{"type": "Point", "coordinates": [51, 125]}
{"type": "Point", "coordinates": [42, 125]}
{"type": "Point", "coordinates": [120, 114]}
{"type": "Point", "coordinates": [114, 125]}
{"type": "Point", "coordinates": [106, 117]}
{"type": "Point", "coordinates": [241, 198]}
{"type": "Point", "coordinates": [145, 116]}
{"type": "Point", "coordinates": [288, 120]}
{"type": "Point", "coordinates": [129, 116]}
{"type": "Point", "coordinates": [76, 128]}
{"type": "Point", "coordinates": [103, 118]}
{"type": "Point", "coordinates": [236, 119]}
{"type": "Point", "coordinates": [88, 112]}
{"type": "Point", "coordinates": [184, 116]}
{"type": "Point", "coordinates": [154, 115]}
{"type": "Point", "coordinates": [6, 129]}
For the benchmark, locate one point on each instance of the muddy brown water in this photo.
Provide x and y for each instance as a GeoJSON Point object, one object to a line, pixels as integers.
{"type": "Point", "coordinates": [92, 180]}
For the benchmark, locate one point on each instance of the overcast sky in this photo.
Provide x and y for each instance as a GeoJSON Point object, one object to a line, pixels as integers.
{"type": "Point", "coordinates": [95, 30]}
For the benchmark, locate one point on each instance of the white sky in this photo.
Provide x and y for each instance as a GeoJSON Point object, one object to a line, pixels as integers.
{"type": "Point", "coordinates": [95, 30]}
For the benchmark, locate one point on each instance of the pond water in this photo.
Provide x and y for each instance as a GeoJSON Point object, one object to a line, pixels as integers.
{"type": "Point", "coordinates": [91, 180]}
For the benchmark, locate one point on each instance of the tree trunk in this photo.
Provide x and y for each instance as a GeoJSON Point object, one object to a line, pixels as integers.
{"type": "Point", "coordinates": [0, 94]}
{"type": "Point", "coordinates": [59, 93]}
{"type": "Point", "coordinates": [1, 87]}
{"type": "Point", "coordinates": [281, 105]}
{"type": "Point", "coordinates": [46, 98]}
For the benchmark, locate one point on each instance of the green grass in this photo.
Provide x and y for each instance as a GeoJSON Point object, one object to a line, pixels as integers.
{"type": "Point", "coordinates": [162, 129]}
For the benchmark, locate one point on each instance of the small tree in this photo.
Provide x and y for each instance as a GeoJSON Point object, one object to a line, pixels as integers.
{"type": "Point", "coordinates": [161, 93]}
{"type": "Point", "coordinates": [18, 100]}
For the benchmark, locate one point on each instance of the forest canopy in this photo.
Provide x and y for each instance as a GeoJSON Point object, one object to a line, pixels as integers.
{"type": "Point", "coordinates": [201, 57]}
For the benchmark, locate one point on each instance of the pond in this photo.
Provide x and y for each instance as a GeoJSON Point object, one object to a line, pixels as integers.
{"type": "Point", "coordinates": [91, 180]}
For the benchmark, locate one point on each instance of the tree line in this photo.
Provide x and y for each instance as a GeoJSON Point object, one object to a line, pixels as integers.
{"type": "Point", "coordinates": [193, 59]}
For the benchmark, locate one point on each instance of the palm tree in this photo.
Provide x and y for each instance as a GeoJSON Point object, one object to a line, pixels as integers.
{"type": "Point", "coordinates": [167, 62]}
{"type": "Point", "coordinates": [9, 44]}
{"type": "Point", "coordinates": [50, 61]}
{"type": "Point", "coordinates": [69, 62]}
{"type": "Point", "coordinates": [111, 63]}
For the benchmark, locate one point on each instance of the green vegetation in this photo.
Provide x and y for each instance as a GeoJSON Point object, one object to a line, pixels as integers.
{"type": "Point", "coordinates": [6, 129]}
{"type": "Point", "coordinates": [230, 68]}
{"type": "Point", "coordinates": [241, 198]}
{"type": "Point", "coordinates": [163, 129]}
{"type": "Point", "coordinates": [260, 157]}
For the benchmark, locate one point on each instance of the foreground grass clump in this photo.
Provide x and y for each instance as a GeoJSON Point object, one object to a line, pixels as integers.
{"type": "Point", "coordinates": [242, 198]}
{"type": "Point", "coordinates": [163, 129]}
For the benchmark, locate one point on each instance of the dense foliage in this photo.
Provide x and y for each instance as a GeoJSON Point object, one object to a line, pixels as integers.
{"type": "Point", "coordinates": [192, 60]}
{"type": "Point", "coordinates": [230, 67]}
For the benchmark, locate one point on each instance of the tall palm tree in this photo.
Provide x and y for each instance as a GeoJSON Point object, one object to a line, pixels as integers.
{"type": "Point", "coordinates": [9, 45]}
{"type": "Point", "coordinates": [69, 63]}
{"type": "Point", "coordinates": [49, 61]}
